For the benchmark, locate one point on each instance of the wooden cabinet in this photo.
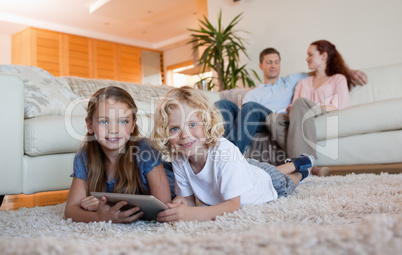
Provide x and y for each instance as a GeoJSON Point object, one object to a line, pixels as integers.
{"type": "Point", "coordinates": [105, 60]}
{"type": "Point", "coordinates": [39, 48]}
{"type": "Point", "coordinates": [129, 63]}
{"type": "Point", "coordinates": [70, 55]}
{"type": "Point", "coordinates": [78, 59]}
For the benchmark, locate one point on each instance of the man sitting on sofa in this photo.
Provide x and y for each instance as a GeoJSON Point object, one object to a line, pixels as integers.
{"type": "Point", "coordinates": [273, 96]}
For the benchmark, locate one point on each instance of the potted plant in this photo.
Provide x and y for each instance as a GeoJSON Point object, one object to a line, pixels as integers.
{"type": "Point", "coordinates": [221, 50]}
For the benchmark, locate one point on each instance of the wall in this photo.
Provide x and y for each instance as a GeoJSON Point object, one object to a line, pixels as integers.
{"type": "Point", "coordinates": [5, 49]}
{"type": "Point", "coordinates": [150, 65]}
{"type": "Point", "coordinates": [177, 55]}
{"type": "Point", "coordinates": [174, 56]}
{"type": "Point", "coordinates": [368, 33]}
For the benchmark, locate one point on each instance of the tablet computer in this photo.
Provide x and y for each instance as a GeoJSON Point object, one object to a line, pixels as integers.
{"type": "Point", "coordinates": [149, 204]}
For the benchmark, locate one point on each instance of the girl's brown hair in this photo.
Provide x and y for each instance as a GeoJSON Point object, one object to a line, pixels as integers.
{"type": "Point", "coordinates": [128, 175]}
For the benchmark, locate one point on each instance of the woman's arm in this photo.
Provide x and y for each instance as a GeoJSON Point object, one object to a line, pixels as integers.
{"type": "Point", "coordinates": [183, 212]}
{"type": "Point", "coordinates": [159, 184]}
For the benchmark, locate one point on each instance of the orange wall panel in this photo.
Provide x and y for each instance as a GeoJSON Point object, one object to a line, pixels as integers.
{"type": "Point", "coordinates": [70, 55]}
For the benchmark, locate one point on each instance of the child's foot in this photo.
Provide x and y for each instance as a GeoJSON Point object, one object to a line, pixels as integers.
{"type": "Point", "coordinates": [303, 164]}
{"type": "Point", "coordinates": [320, 171]}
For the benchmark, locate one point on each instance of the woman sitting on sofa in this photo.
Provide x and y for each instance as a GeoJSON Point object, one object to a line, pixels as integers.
{"type": "Point", "coordinates": [327, 90]}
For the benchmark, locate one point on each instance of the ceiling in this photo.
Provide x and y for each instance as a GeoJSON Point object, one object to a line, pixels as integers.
{"type": "Point", "coordinates": [156, 24]}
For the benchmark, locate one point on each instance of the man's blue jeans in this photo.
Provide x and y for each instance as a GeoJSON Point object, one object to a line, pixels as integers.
{"type": "Point", "coordinates": [242, 124]}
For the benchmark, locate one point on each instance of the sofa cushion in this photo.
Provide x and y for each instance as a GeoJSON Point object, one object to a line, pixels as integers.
{"type": "Point", "coordinates": [235, 95]}
{"type": "Point", "coordinates": [211, 96]}
{"type": "Point", "coordinates": [145, 124]}
{"type": "Point", "coordinates": [360, 119]}
{"type": "Point", "coordinates": [47, 173]}
{"type": "Point", "coordinates": [46, 135]}
{"type": "Point", "coordinates": [53, 134]}
{"type": "Point", "coordinates": [145, 96]}
{"type": "Point", "coordinates": [372, 148]}
{"type": "Point", "coordinates": [44, 95]}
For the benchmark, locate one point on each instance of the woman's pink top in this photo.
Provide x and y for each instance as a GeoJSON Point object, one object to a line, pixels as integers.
{"type": "Point", "coordinates": [333, 92]}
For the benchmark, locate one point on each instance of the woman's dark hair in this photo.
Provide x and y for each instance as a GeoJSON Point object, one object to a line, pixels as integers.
{"type": "Point", "coordinates": [335, 62]}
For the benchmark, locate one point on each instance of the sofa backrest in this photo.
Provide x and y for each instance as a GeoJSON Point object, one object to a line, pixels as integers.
{"type": "Point", "coordinates": [145, 96]}
{"type": "Point", "coordinates": [384, 82]}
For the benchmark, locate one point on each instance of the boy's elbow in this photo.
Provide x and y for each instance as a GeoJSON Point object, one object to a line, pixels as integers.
{"type": "Point", "coordinates": [234, 204]}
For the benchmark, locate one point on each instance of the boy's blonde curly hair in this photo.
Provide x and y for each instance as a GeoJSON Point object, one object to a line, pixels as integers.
{"type": "Point", "coordinates": [209, 114]}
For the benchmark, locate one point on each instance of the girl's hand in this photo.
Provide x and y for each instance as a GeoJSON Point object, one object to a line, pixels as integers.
{"type": "Point", "coordinates": [176, 212]}
{"type": "Point", "coordinates": [179, 200]}
{"type": "Point", "coordinates": [113, 213]}
{"type": "Point", "coordinates": [90, 203]}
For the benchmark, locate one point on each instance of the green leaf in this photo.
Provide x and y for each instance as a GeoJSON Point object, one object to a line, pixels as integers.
{"type": "Point", "coordinates": [222, 49]}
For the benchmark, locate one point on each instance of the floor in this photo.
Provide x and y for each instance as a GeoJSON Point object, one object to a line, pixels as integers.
{"type": "Point", "coordinates": [14, 202]}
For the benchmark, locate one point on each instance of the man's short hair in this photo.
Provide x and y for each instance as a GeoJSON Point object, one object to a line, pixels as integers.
{"type": "Point", "coordinates": [268, 51]}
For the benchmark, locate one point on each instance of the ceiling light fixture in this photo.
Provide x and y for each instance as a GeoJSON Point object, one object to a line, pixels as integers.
{"type": "Point", "coordinates": [98, 4]}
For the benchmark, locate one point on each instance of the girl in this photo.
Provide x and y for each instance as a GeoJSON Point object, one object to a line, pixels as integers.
{"type": "Point", "coordinates": [113, 159]}
{"type": "Point", "coordinates": [209, 168]}
{"type": "Point", "coordinates": [327, 90]}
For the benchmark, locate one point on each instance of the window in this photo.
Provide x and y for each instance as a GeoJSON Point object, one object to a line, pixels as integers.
{"type": "Point", "coordinates": [185, 74]}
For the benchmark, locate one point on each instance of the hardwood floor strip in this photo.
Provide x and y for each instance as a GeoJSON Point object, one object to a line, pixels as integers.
{"type": "Point", "coordinates": [14, 202]}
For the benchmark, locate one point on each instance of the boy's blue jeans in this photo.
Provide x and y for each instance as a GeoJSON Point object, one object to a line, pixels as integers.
{"type": "Point", "coordinates": [242, 124]}
{"type": "Point", "coordinates": [282, 183]}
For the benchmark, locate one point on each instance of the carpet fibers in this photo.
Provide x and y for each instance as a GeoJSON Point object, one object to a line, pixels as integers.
{"type": "Point", "coordinates": [353, 214]}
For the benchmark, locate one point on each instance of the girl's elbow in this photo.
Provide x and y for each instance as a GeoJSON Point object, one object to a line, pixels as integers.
{"type": "Point", "coordinates": [67, 214]}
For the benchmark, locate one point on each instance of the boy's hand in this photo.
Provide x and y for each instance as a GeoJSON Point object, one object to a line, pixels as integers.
{"type": "Point", "coordinates": [113, 213]}
{"type": "Point", "coordinates": [176, 212]}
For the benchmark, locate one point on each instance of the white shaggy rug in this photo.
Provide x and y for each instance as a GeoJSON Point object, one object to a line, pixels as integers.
{"type": "Point", "coordinates": [353, 214]}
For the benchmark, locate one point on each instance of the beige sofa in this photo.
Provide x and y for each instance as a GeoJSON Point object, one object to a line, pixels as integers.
{"type": "Point", "coordinates": [370, 131]}
{"type": "Point", "coordinates": [42, 123]}
{"type": "Point", "coordinates": [359, 138]}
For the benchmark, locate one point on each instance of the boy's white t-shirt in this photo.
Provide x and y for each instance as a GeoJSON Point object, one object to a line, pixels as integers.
{"type": "Point", "coordinates": [226, 175]}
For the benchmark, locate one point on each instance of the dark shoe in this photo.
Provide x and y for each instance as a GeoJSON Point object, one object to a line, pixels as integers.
{"type": "Point", "coordinates": [303, 164]}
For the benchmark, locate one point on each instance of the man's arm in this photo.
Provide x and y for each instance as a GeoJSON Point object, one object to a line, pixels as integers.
{"type": "Point", "coordinates": [357, 77]}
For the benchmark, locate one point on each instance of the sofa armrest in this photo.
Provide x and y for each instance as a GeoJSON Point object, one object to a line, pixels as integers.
{"type": "Point", "coordinates": [11, 128]}
{"type": "Point", "coordinates": [372, 117]}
